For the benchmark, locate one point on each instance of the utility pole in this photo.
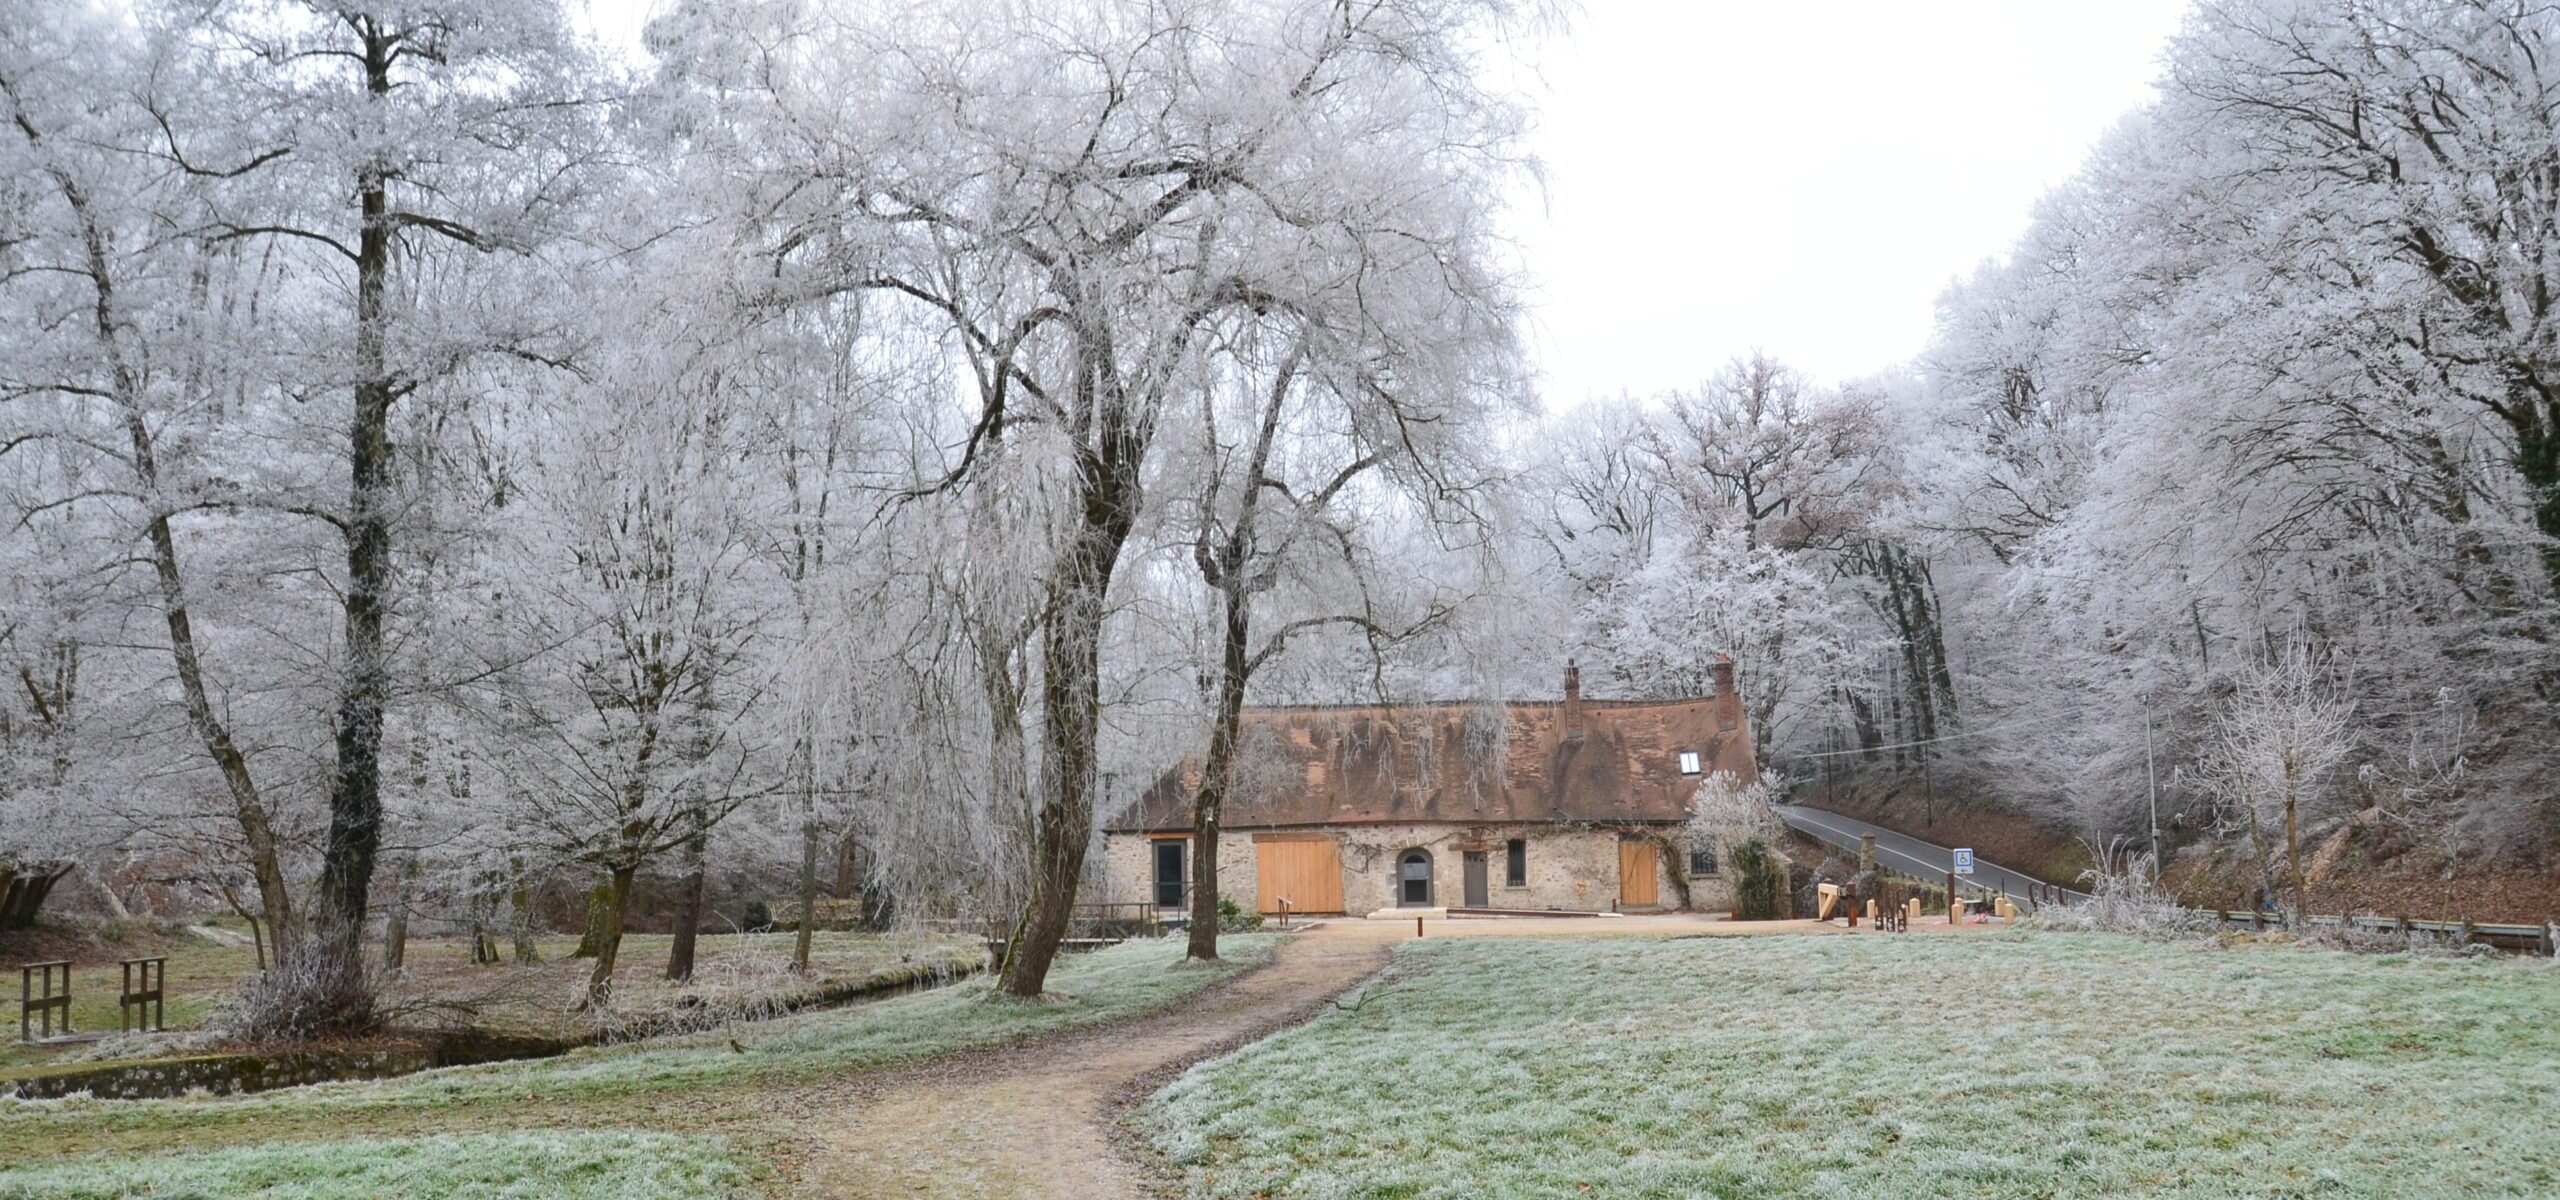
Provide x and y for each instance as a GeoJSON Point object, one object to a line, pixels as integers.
{"type": "Point", "coordinates": [2151, 768]}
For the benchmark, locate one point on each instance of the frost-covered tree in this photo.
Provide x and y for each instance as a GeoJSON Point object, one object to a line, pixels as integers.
{"type": "Point", "coordinates": [1072, 201]}
{"type": "Point", "coordinates": [2266, 370]}
{"type": "Point", "coordinates": [2278, 739]}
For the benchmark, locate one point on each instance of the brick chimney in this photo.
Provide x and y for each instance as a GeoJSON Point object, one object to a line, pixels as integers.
{"type": "Point", "coordinates": [1572, 701]}
{"type": "Point", "coordinates": [1729, 704]}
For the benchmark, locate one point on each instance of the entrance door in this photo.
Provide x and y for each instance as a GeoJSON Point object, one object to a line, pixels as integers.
{"type": "Point", "coordinates": [1171, 879]}
{"type": "Point", "coordinates": [1477, 894]}
{"type": "Point", "coordinates": [1639, 874]}
{"type": "Point", "coordinates": [1413, 880]}
{"type": "Point", "coordinates": [1307, 872]}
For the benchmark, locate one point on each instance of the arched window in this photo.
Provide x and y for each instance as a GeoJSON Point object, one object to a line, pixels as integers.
{"type": "Point", "coordinates": [1413, 879]}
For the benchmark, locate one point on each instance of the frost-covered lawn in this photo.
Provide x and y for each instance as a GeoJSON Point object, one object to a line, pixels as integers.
{"type": "Point", "coordinates": [704, 1081]}
{"type": "Point", "coordinates": [566, 1166]}
{"type": "Point", "coordinates": [2022, 1065]}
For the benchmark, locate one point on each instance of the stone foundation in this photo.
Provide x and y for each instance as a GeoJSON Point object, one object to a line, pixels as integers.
{"type": "Point", "coordinates": [1571, 868]}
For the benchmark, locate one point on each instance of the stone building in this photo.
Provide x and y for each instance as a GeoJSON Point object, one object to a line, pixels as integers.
{"type": "Point", "coordinates": [1572, 804]}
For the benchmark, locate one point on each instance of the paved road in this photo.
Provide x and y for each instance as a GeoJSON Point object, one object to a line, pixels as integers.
{"type": "Point", "coordinates": [1910, 855]}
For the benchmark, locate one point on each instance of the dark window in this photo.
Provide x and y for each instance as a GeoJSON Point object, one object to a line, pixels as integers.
{"type": "Point", "coordinates": [1702, 856]}
{"type": "Point", "coordinates": [1515, 863]}
{"type": "Point", "coordinates": [1413, 873]}
{"type": "Point", "coordinates": [1689, 763]}
{"type": "Point", "coordinates": [1171, 879]}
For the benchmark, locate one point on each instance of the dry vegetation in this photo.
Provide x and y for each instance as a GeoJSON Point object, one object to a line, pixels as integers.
{"type": "Point", "coordinates": [736, 977]}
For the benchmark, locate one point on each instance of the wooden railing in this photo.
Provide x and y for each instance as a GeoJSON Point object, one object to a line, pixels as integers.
{"type": "Point", "coordinates": [44, 993]}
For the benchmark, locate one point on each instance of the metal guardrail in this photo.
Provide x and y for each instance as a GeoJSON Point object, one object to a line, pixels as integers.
{"type": "Point", "coordinates": [2543, 938]}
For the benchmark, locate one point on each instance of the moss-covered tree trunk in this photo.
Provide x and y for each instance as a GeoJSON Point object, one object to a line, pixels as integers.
{"type": "Point", "coordinates": [617, 890]}
{"type": "Point", "coordinates": [599, 898]}
{"type": "Point", "coordinates": [520, 899]}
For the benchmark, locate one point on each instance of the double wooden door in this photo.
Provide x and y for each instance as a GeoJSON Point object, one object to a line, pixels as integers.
{"type": "Point", "coordinates": [1307, 872]}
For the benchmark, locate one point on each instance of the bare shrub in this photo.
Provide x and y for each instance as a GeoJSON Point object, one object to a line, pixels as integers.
{"type": "Point", "coordinates": [312, 992]}
{"type": "Point", "coordinates": [754, 980]}
{"type": "Point", "coordinates": [2124, 897]}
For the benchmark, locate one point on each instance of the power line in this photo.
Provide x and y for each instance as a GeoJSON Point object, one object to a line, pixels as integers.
{"type": "Point", "coordinates": [2029, 724]}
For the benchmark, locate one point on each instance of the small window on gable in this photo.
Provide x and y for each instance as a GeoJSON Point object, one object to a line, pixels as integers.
{"type": "Point", "coordinates": [1702, 857]}
{"type": "Point", "coordinates": [1515, 863]}
{"type": "Point", "coordinates": [1689, 764]}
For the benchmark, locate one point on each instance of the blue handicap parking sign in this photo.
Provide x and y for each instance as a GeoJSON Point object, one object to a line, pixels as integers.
{"type": "Point", "coordinates": [1964, 862]}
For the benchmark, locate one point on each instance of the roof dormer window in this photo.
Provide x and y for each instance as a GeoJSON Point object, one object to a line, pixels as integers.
{"type": "Point", "coordinates": [1689, 764]}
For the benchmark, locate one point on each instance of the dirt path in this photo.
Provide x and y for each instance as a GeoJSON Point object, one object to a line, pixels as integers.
{"type": "Point", "coordinates": [1039, 1120]}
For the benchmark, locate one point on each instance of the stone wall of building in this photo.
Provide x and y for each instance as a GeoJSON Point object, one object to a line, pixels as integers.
{"type": "Point", "coordinates": [1569, 868]}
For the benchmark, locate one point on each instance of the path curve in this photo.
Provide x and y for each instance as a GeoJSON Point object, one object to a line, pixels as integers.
{"type": "Point", "coordinates": [1041, 1119]}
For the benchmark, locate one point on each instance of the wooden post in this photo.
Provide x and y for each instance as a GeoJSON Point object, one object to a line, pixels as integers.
{"type": "Point", "coordinates": [140, 1006]}
{"type": "Point", "coordinates": [54, 998]}
{"type": "Point", "coordinates": [1417, 927]}
{"type": "Point", "coordinates": [1955, 907]}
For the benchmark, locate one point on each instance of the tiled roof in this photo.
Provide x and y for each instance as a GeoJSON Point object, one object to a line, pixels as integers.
{"type": "Point", "coordinates": [1367, 764]}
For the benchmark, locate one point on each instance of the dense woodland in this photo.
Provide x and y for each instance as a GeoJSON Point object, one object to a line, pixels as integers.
{"type": "Point", "coordinates": [440, 456]}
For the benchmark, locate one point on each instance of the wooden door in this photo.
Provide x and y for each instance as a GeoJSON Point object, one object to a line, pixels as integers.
{"type": "Point", "coordinates": [1478, 894]}
{"type": "Point", "coordinates": [1639, 874]}
{"type": "Point", "coordinates": [1305, 871]}
{"type": "Point", "coordinates": [1172, 876]}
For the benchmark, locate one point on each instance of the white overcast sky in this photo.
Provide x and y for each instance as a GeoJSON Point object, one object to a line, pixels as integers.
{"type": "Point", "coordinates": [1803, 178]}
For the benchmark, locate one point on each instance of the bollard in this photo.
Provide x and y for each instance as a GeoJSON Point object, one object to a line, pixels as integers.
{"type": "Point", "coordinates": [1417, 927]}
{"type": "Point", "coordinates": [1911, 912]}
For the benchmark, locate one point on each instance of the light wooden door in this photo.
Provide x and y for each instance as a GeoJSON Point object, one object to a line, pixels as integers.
{"type": "Point", "coordinates": [1306, 871]}
{"type": "Point", "coordinates": [1639, 875]}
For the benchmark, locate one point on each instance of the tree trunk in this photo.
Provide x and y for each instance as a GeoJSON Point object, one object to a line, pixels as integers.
{"type": "Point", "coordinates": [599, 899]}
{"type": "Point", "coordinates": [484, 915]}
{"type": "Point", "coordinates": [257, 935]}
{"type": "Point", "coordinates": [1070, 685]}
{"type": "Point", "coordinates": [1008, 783]}
{"type": "Point", "coordinates": [520, 900]}
{"type": "Point", "coordinates": [689, 902]}
{"type": "Point", "coordinates": [1216, 773]}
{"type": "Point", "coordinates": [617, 899]}
{"type": "Point", "coordinates": [257, 833]}
{"type": "Point", "coordinates": [2293, 855]}
{"type": "Point", "coordinates": [355, 786]}
{"type": "Point", "coordinates": [848, 868]}
{"type": "Point", "coordinates": [1223, 566]}
{"type": "Point", "coordinates": [808, 892]}
{"type": "Point", "coordinates": [395, 928]}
